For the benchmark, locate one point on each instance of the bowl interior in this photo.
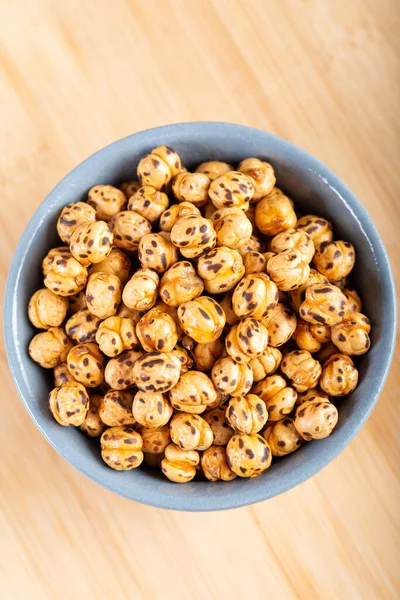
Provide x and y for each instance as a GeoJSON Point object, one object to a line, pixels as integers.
{"type": "Point", "coordinates": [315, 189]}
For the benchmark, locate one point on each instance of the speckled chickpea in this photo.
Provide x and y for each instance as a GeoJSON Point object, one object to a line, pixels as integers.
{"type": "Point", "coordinates": [253, 244]}
{"type": "Point", "coordinates": [205, 355]}
{"type": "Point", "coordinates": [335, 260]}
{"type": "Point", "coordinates": [193, 235]}
{"type": "Point", "coordinates": [282, 437]}
{"type": "Point", "coordinates": [319, 229]}
{"type": "Point", "coordinates": [69, 404]}
{"type": "Point", "coordinates": [280, 323]}
{"type": "Point", "coordinates": [63, 274]}
{"type": "Point", "coordinates": [254, 262]}
{"type": "Point", "coordinates": [220, 428]}
{"type": "Point", "coordinates": [103, 294]}
{"type": "Point", "coordinates": [246, 414]}
{"type": "Point", "coordinates": [151, 409]}
{"type": "Point", "coordinates": [230, 377]}
{"type": "Point", "coordinates": [156, 251]}
{"type": "Point", "coordinates": [232, 189]}
{"type": "Point", "coordinates": [324, 304]}
{"type": "Point", "coordinates": [82, 326]}
{"type": "Point", "coordinates": [354, 303]}
{"type": "Point", "coordinates": [266, 364]}
{"type": "Point", "coordinates": [61, 374]}
{"type": "Point", "coordinates": [246, 340]}
{"type": "Point", "coordinates": [180, 284]}
{"type": "Point", "coordinates": [311, 337]}
{"type": "Point", "coordinates": [116, 263]}
{"type": "Point", "coordinates": [193, 393]}
{"type": "Point", "coordinates": [86, 364]}
{"type": "Point", "coordinates": [156, 331]}
{"type": "Point", "coordinates": [172, 312]}
{"type": "Point", "coordinates": [155, 439]}
{"type": "Point", "coordinates": [275, 213]}
{"type": "Point", "coordinates": [279, 398]}
{"type": "Point", "coordinates": [121, 448]}
{"type": "Point", "coordinates": [175, 212]}
{"type": "Point", "coordinates": [91, 242]}
{"type": "Point", "coordinates": [179, 465]}
{"type": "Point", "coordinates": [185, 360]}
{"type": "Point", "coordinates": [128, 228]}
{"type": "Point", "coordinates": [118, 372]}
{"type": "Point", "coordinates": [255, 296]}
{"type": "Point", "coordinates": [191, 187]}
{"type": "Point", "coordinates": [214, 168]}
{"type": "Point", "coordinates": [221, 269]}
{"type": "Point", "coordinates": [72, 216]}
{"type": "Point", "coordinates": [190, 432]}
{"type": "Point", "coordinates": [288, 270]}
{"type": "Point", "coordinates": [149, 203]}
{"type": "Point", "coordinates": [301, 369]}
{"type": "Point", "coordinates": [311, 394]}
{"type": "Point", "coordinates": [202, 319]}
{"type": "Point", "coordinates": [116, 334]}
{"type": "Point", "coordinates": [156, 371]}
{"type": "Point", "coordinates": [93, 426]}
{"type": "Point", "coordinates": [248, 455]}
{"type": "Point", "coordinates": [77, 302]}
{"type": "Point", "coordinates": [46, 309]}
{"type": "Point", "coordinates": [351, 335]}
{"type": "Point", "coordinates": [339, 376]}
{"type": "Point", "coordinates": [116, 408]}
{"type": "Point", "coordinates": [316, 419]}
{"type": "Point", "coordinates": [107, 200]}
{"type": "Point", "coordinates": [263, 175]}
{"type": "Point", "coordinates": [294, 239]}
{"type": "Point", "coordinates": [215, 466]}
{"type": "Point", "coordinates": [297, 296]}
{"type": "Point", "coordinates": [50, 348]}
{"type": "Point", "coordinates": [158, 167]}
{"type": "Point", "coordinates": [227, 306]}
{"type": "Point", "coordinates": [232, 227]}
{"type": "Point", "coordinates": [140, 293]}
{"type": "Point", "coordinates": [129, 188]}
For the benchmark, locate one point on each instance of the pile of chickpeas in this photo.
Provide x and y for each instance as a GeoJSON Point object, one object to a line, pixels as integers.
{"type": "Point", "coordinates": [195, 322]}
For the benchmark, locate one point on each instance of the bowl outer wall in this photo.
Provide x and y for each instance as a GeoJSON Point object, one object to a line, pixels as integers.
{"type": "Point", "coordinates": [314, 188]}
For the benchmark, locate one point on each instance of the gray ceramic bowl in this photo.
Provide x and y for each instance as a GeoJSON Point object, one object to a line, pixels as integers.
{"type": "Point", "coordinates": [316, 190]}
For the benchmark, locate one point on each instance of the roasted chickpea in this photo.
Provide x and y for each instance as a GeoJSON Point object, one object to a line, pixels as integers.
{"type": "Point", "coordinates": [179, 465]}
{"type": "Point", "coordinates": [215, 466]}
{"type": "Point", "coordinates": [149, 203]}
{"type": "Point", "coordinates": [227, 306]}
{"type": "Point", "coordinates": [246, 340]}
{"type": "Point", "coordinates": [180, 284]}
{"type": "Point", "coordinates": [202, 319]}
{"type": "Point", "coordinates": [172, 312]}
{"type": "Point", "coordinates": [275, 213]}
{"type": "Point", "coordinates": [86, 364]}
{"type": "Point", "coordinates": [184, 358]}
{"type": "Point", "coordinates": [248, 455]}
{"type": "Point", "coordinates": [316, 419]}
{"type": "Point", "coordinates": [46, 309]}
{"type": "Point", "coordinates": [230, 377]}
{"type": "Point", "coordinates": [193, 393]}
{"type": "Point", "coordinates": [255, 296]}
{"type": "Point", "coordinates": [339, 376]}
{"type": "Point", "coordinates": [253, 262]}
{"type": "Point", "coordinates": [140, 293]}
{"type": "Point", "coordinates": [351, 335]}
{"type": "Point", "coordinates": [232, 189]}
{"type": "Point", "coordinates": [263, 175]}
{"type": "Point", "coordinates": [155, 439]}
{"type": "Point", "coordinates": [107, 200]}
{"type": "Point", "coordinates": [121, 448]}
{"type": "Point", "coordinates": [69, 404]}
{"type": "Point", "coordinates": [311, 337]}
{"type": "Point", "coordinates": [50, 348]}
{"type": "Point", "coordinates": [288, 270]}
{"type": "Point", "coordinates": [77, 302]}
{"type": "Point", "coordinates": [158, 167]}
{"type": "Point", "coordinates": [115, 335]}
{"type": "Point", "coordinates": [220, 428]}
{"type": "Point", "coordinates": [282, 437]}
{"type": "Point", "coordinates": [311, 394]}
{"type": "Point", "coordinates": [156, 372]}
{"type": "Point", "coordinates": [280, 323]}
{"type": "Point", "coordinates": [82, 326]}
{"type": "Point", "coordinates": [118, 372]}
{"type": "Point", "coordinates": [246, 414]}
{"type": "Point", "coordinates": [319, 229]}
{"type": "Point", "coordinates": [191, 187]}
{"type": "Point", "coordinates": [190, 432]}
{"type": "Point", "coordinates": [297, 296]}
{"type": "Point", "coordinates": [116, 263]}
{"type": "Point", "coordinates": [129, 188]}
{"type": "Point", "coordinates": [220, 269]}
{"type": "Point", "coordinates": [72, 216]}
{"type": "Point", "coordinates": [116, 408]}
{"type": "Point", "coordinates": [253, 244]}
{"type": "Point", "coordinates": [266, 364]}
{"type": "Point", "coordinates": [354, 303]}
{"type": "Point", "coordinates": [302, 370]}
{"type": "Point", "coordinates": [232, 227]}
{"type": "Point", "coordinates": [103, 294]}
{"type": "Point", "coordinates": [61, 374]}
{"type": "Point", "coordinates": [326, 352]}
{"type": "Point", "coordinates": [93, 426]}
{"type": "Point", "coordinates": [156, 330]}
{"type": "Point", "coordinates": [205, 355]}
{"type": "Point", "coordinates": [193, 235]}
{"type": "Point", "coordinates": [63, 274]}
{"type": "Point", "coordinates": [294, 239]}
{"type": "Point", "coordinates": [91, 242]}
{"type": "Point", "coordinates": [278, 397]}
{"type": "Point", "coordinates": [151, 409]}
{"type": "Point", "coordinates": [174, 213]}
{"type": "Point", "coordinates": [324, 304]}
{"type": "Point", "coordinates": [335, 260]}
{"type": "Point", "coordinates": [128, 228]}
{"type": "Point", "coordinates": [156, 251]}
{"type": "Point", "coordinates": [214, 168]}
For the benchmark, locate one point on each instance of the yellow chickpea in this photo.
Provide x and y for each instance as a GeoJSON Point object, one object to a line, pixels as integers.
{"type": "Point", "coordinates": [107, 200]}
{"type": "Point", "coordinates": [324, 304]}
{"type": "Point", "coordinates": [232, 227]}
{"type": "Point", "coordinates": [351, 336]}
{"type": "Point", "coordinates": [288, 270]}
{"type": "Point", "coordinates": [69, 404]}
{"type": "Point", "coordinates": [156, 330]}
{"type": "Point", "coordinates": [297, 296]}
{"type": "Point", "coordinates": [180, 284]}
{"type": "Point", "coordinates": [220, 428]}
{"type": "Point", "coordinates": [63, 274]}
{"type": "Point", "coordinates": [72, 216]}
{"type": "Point", "coordinates": [282, 437]}
{"type": "Point", "coordinates": [61, 374]}
{"type": "Point", "coordinates": [311, 337]}
{"type": "Point", "coordinates": [129, 188]}
{"type": "Point", "coordinates": [156, 372]}
{"type": "Point", "coordinates": [115, 335]}
{"type": "Point", "coordinates": [149, 203]}
{"type": "Point", "coordinates": [121, 448]}
{"type": "Point", "coordinates": [266, 364]}
{"type": "Point", "coordinates": [246, 340]}
{"type": "Point", "coordinates": [319, 229]}
{"type": "Point", "coordinates": [253, 244]}
{"type": "Point", "coordinates": [280, 323]}
{"type": "Point", "coordinates": [86, 364]}
{"type": "Point", "coordinates": [230, 377]}
{"type": "Point", "coordinates": [158, 167]}
{"type": "Point", "coordinates": [46, 309]}
{"type": "Point", "coordinates": [205, 355]}
{"type": "Point", "coordinates": [263, 175]}
{"type": "Point", "coordinates": [157, 252]}
{"type": "Point", "coordinates": [275, 213]}
{"type": "Point", "coordinates": [335, 260]}
{"type": "Point", "coordinates": [278, 397]}
{"type": "Point", "coordinates": [93, 426]}
{"type": "Point", "coordinates": [103, 294]}
{"type": "Point", "coordinates": [91, 242]}
{"type": "Point", "coordinates": [246, 414]}
{"type": "Point", "coordinates": [155, 439]}
{"type": "Point", "coordinates": [301, 369]}
{"type": "Point", "coordinates": [202, 319]}
{"type": "Point", "coordinates": [248, 455]}
{"type": "Point", "coordinates": [232, 189]}
{"type": "Point", "coordinates": [190, 432]}
{"type": "Point", "coordinates": [179, 465]}
{"type": "Point", "coordinates": [339, 376]}
{"type": "Point", "coordinates": [215, 466]}
{"type": "Point", "coordinates": [214, 168]}
{"type": "Point", "coordinates": [254, 262]}
{"type": "Point", "coordinates": [191, 187]}
{"type": "Point", "coordinates": [115, 408]}
{"type": "Point", "coordinates": [175, 212]}
{"type": "Point", "coordinates": [227, 306]}
{"type": "Point", "coordinates": [151, 409]}
{"type": "Point", "coordinates": [193, 235]}
{"type": "Point", "coordinates": [128, 228]}
{"type": "Point", "coordinates": [140, 293]}
{"type": "Point", "coordinates": [294, 239]}
{"type": "Point", "coordinates": [221, 269]}
{"type": "Point", "coordinates": [50, 348]}
{"type": "Point", "coordinates": [255, 296]}
{"type": "Point", "coordinates": [315, 420]}
{"type": "Point", "coordinates": [193, 393]}
{"type": "Point", "coordinates": [116, 263]}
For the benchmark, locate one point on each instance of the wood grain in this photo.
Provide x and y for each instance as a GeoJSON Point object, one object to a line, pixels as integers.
{"type": "Point", "coordinates": [75, 76]}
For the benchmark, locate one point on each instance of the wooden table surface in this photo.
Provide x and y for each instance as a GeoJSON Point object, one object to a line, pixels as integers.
{"type": "Point", "coordinates": [76, 75]}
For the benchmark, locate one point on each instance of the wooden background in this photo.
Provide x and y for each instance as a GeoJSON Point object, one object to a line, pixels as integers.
{"type": "Point", "coordinates": [78, 74]}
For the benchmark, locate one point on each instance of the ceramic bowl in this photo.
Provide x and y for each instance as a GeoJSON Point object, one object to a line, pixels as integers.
{"type": "Point", "coordinates": [315, 189]}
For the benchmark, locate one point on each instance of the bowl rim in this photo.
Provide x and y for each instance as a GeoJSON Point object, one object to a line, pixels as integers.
{"type": "Point", "coordinates": [365, 222]}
